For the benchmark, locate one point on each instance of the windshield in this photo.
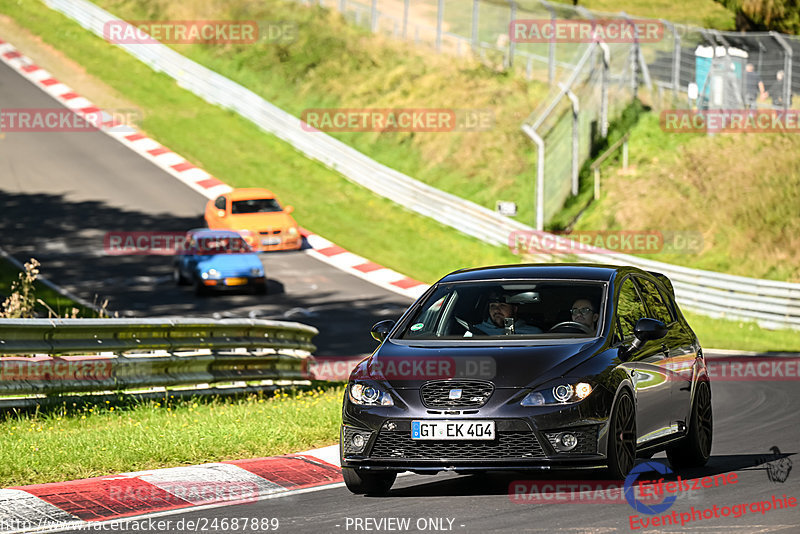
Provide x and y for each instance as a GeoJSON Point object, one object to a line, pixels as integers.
{"type": "Point", "coordinates": [211, 245]}
{"type": "Point", "coordinates": [255, 205]}
{"type": "Point", "coordinates": [509, 309]}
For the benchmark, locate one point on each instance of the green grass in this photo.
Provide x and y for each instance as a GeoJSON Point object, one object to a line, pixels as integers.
{"type": "Point", "coordinates": [69, 442]}
{"type": "Point", "coordinates": [704, 13]}
{"type": "Point", "coordinates": [741, 335]}
{"type": "Point", "coordinates": [55, 301]}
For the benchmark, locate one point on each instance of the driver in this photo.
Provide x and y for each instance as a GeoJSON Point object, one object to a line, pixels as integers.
{"type": "Point", "coordinates": [500, 309]}
{"type": "Point", "coordinates": [583, 312]}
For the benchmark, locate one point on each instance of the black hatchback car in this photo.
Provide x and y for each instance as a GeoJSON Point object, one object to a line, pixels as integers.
{"type": "Point", "coordinates": [529, 367]}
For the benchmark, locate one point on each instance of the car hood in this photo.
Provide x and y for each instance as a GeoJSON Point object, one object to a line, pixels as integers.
{"type": "Point", "coordinates": [261, 221]}
{"type": "Point", "coordinates": [228, 262]}
{"type": "Point", "coordinates": [408, 367]}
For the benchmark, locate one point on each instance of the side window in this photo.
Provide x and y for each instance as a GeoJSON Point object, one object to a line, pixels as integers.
{"type": "Point", "coordinates": [654, 301]}
{"type": "Point", "coordinates": [427, 321]}
{"type": "Point", "coordinates": [629, 308]}
{"type": "Point", "coordinates": [220, 203]}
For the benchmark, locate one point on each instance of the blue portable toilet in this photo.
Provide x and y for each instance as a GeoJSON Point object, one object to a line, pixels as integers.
{"type": "Point", "coordinates": [718, 75]}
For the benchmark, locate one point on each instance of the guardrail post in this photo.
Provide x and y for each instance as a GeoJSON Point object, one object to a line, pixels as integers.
{"type": "Point", "coordinates": [787, 69]}
{"type": "Point", "coordinates": [575, 141]}
{"type": "Point", "coordinates": [439, 24]}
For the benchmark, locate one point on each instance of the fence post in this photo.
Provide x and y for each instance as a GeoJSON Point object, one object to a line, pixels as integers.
{"type": "Point", "coordinates": [604, 89]}
{"type": "Point", "coordinates": [575, 141]}
{"type": "Point", "coordinates": [676, 58]}
{"type": "Point", "coordinates": [539, 174]}
{"type": "Point", "coordinates": [787, 69]}
{"type": "Point", "coordinates": [373, 16]}
{"type": "Point", "coordinates": [511, 43]}
{"type": "Point", "coordinates": [475, 21]}
{"type": "Point", "coordinates": [405, 19]}
{"type": "Point", "coordinates": [439, 24]}
{"type": "Point", "coordinates": [551, 49]}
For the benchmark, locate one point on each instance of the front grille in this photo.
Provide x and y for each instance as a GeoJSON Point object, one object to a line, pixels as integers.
{"type": "Point", "coordinates": [587, 440]}
{"type": "Point", "coordinates": [509, 445]}
{"type": "Point", "coordinates": [474, 394]}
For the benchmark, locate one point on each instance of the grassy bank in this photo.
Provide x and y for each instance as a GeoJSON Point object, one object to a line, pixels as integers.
{"type": "Point", "coordinates": [93, 440]}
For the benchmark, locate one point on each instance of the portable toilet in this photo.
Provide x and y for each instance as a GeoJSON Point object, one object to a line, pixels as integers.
{"type": "Point", "coordinates": [718, 75]}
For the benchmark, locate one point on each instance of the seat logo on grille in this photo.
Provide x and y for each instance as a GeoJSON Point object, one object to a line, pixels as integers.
{"type": "Point", "coordinates": [455, 394]}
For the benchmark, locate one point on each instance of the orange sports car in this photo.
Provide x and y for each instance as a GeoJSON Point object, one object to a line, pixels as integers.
{"type": "Point", "coordinates": [256, 214]}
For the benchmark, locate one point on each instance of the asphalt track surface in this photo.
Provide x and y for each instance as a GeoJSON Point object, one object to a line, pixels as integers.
{"type": "Point", "coordinates": [749, 419]}
{"type": "Point", "coordinates": [61, 192]}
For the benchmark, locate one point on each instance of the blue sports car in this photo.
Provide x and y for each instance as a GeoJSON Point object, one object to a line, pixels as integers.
{"type": "Point", "coordinates": [218, 260]}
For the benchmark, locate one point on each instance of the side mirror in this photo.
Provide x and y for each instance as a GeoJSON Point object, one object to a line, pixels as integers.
{"type": "Point", "coordinates": [381, 329]}
{"type": "Point", "coordinates": [288, 209]}
{"type": "Point", "coordinates": [647, 329]}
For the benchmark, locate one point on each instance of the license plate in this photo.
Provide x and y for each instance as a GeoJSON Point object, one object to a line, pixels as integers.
{"type": "Point", "coordinates": [453, 430]}
{"type": "Point", "coordinates": [235, 281]}
{"type": "Point", "coordinates": [271, 241]}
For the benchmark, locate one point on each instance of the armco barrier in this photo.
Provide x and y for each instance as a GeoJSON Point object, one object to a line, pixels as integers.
{"type": "Point", "coordinates": [772, 304]}
{"type": "Point", "coordinates": [117, 354]}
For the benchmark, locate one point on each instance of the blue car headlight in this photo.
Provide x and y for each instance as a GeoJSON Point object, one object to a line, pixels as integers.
{"type": "Point", "coordinates": [561, 392]}
{"type": "Point", "coordinates": [368, 395]}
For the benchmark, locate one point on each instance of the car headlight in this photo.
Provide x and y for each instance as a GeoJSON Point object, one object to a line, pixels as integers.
{"type": "Point", "coordinates": [561, 393]}
{"type": "Point", "coordinates": [368, 395]}
{"type": "Point", "coordinates": [292, 231]}
{"type": "Point", "coordinates": [211, 273]}
{"type": "Point", "coordinates": [255, 271]}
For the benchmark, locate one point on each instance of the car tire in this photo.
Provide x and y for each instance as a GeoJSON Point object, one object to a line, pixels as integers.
{"type": "Point", "coordinates": [178, 277]}
{"type": "Point", "coordinates": [199, 289]}
{"type": "Point", "coordinates": [260, 289]}
{"type": "Point", "coordinates": [695, 449]}
{"type": "Point", "coordinates": [621, 448]}
{"type": "Point", "coordinates": [364, 483]}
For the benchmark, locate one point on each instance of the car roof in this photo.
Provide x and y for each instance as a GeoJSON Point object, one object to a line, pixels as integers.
{"type": "Point", "coordinates": [578, 271]}
{"type": "Point", "coordinates": [248, 193]}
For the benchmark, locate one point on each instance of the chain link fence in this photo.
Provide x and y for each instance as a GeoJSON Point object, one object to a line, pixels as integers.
{"type": "Point", "coordinates": [592, 82]}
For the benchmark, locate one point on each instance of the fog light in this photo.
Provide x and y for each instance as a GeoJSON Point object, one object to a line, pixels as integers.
{"type": "Point", "coordinates": [358, 442]}
{"type": "Point", "coordinates": [567, 441]}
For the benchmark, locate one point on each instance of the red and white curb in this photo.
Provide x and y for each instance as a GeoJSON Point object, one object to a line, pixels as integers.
{"type": "Point", "coordinates": [79, 503]}
{"type": "Point", "coordinates": [195, 177]}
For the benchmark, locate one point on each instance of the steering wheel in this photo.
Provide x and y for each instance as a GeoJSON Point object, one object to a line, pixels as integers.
{"type": "Point", "coordinates": [571, 326]}
{"type": "Point", "coordinates": [469, 328]}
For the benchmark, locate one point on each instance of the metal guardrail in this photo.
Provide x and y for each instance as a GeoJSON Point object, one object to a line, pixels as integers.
{"type": "Point", "coordinates": [773, 304]}
{"type": "Point", "coordinates": [118, 354]}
